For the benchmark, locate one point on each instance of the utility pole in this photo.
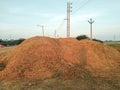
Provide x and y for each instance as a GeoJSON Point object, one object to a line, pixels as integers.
{"type": "Point", "coordinates": [42, 29]}
{"type": "Point", "coordinates": [55, 34]}
{"type": "Point", "coordinates": [114, 38]}
{"type": "Point", "coordinates": [91, 22]}
{"type": "Point", "coordinates": [68, 17]}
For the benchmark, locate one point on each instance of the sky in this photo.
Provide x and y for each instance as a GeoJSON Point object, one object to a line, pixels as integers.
{"type": "Point", "coordinates": [22, 18]}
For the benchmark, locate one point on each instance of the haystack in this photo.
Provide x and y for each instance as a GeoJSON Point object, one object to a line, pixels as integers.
{"type": "Point", "coordinates": [43, 57]}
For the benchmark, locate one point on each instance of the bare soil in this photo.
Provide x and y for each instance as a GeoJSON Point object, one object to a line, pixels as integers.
{"type": "Point", "coordinates": [42, 63]}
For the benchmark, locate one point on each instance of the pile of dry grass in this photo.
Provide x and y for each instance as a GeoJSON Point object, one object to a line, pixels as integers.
{"type": "Point", "coordinates": [42, 57]}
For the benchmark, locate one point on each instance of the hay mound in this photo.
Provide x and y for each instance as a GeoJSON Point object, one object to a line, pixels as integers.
{"type": "Point", "coordinates": [42, 57]}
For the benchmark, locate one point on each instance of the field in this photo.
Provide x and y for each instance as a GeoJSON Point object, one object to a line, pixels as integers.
{"type": "Point", "coordinates": [55, 84]}
{"type": "Point", "coordinates": [86, 82]}
{"type": "Point", "coordinates": [115, 45]}
{"type": "Point", "coordinates": [5, 50]}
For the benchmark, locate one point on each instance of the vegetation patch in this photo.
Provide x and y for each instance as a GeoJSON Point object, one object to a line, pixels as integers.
{"type": "Point", "coordinates": [115, 45]}
{"type": "Point", "coordinates": [2, 66]}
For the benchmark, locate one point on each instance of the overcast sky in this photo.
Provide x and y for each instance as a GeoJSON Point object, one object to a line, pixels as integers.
{"type": "Point", "coordinates": [19, 18]}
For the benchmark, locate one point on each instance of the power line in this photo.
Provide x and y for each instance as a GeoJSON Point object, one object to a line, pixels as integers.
{"type": "Point", "coordinates": [84, 3]}
{"type": "Point", "coordinates": [73, 1]}
{"type": "Point", "coordinates": [77, 2]}
{"type": "Point", "coordinates": [59, 28]}
{"type": "Point", "coordinates": [68, 14]}
{"type": "Point", "coordinates": [68, 18]}
{"type": "Point", "coordinates": [61, 24]}
{"type": "Point", "coordinates": [81, 6]}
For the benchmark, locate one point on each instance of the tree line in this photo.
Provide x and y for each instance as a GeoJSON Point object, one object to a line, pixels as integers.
{"type": "Point", "coordinates": [11, 42]}
{"type": "Point", "coordinates": [18, 41]}
{"type": "Point", "coordinates": [80, 37]}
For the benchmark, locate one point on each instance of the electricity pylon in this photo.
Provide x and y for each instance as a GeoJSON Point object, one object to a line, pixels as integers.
{"type": "Point", "coordinates": [68, 18]}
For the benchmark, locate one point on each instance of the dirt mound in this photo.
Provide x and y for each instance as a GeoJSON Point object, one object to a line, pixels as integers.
{"type": "Point", "coordinates": [99, 59]}
{"type": "Point", "coordinates": [42, 57]}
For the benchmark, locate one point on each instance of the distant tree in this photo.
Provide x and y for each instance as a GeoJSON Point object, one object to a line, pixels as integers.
{"type": "Point", "coordinates": [80, 37]}
{"type": "Point", "coordinates": [11, 42]}
{"type": "Point", "coordinates": [1, 40]}
{"type": "Point", "coordinates": [98, 40]}
{"type": "Point", "coordinates": [17, 42]}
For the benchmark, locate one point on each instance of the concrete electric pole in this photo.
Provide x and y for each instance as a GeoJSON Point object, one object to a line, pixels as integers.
{"type": "Point", "coordinates": [42, 29]}
{"type": "Point", "coordinates": [68, 17]}
{"type": "Point", "coordinates": [91, 22]}
{"type": "Point", "coordinates": [55, 33]}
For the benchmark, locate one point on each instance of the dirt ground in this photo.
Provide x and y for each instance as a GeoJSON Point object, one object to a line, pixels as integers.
{"type": "Point", "coordinates": [42, 63]}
